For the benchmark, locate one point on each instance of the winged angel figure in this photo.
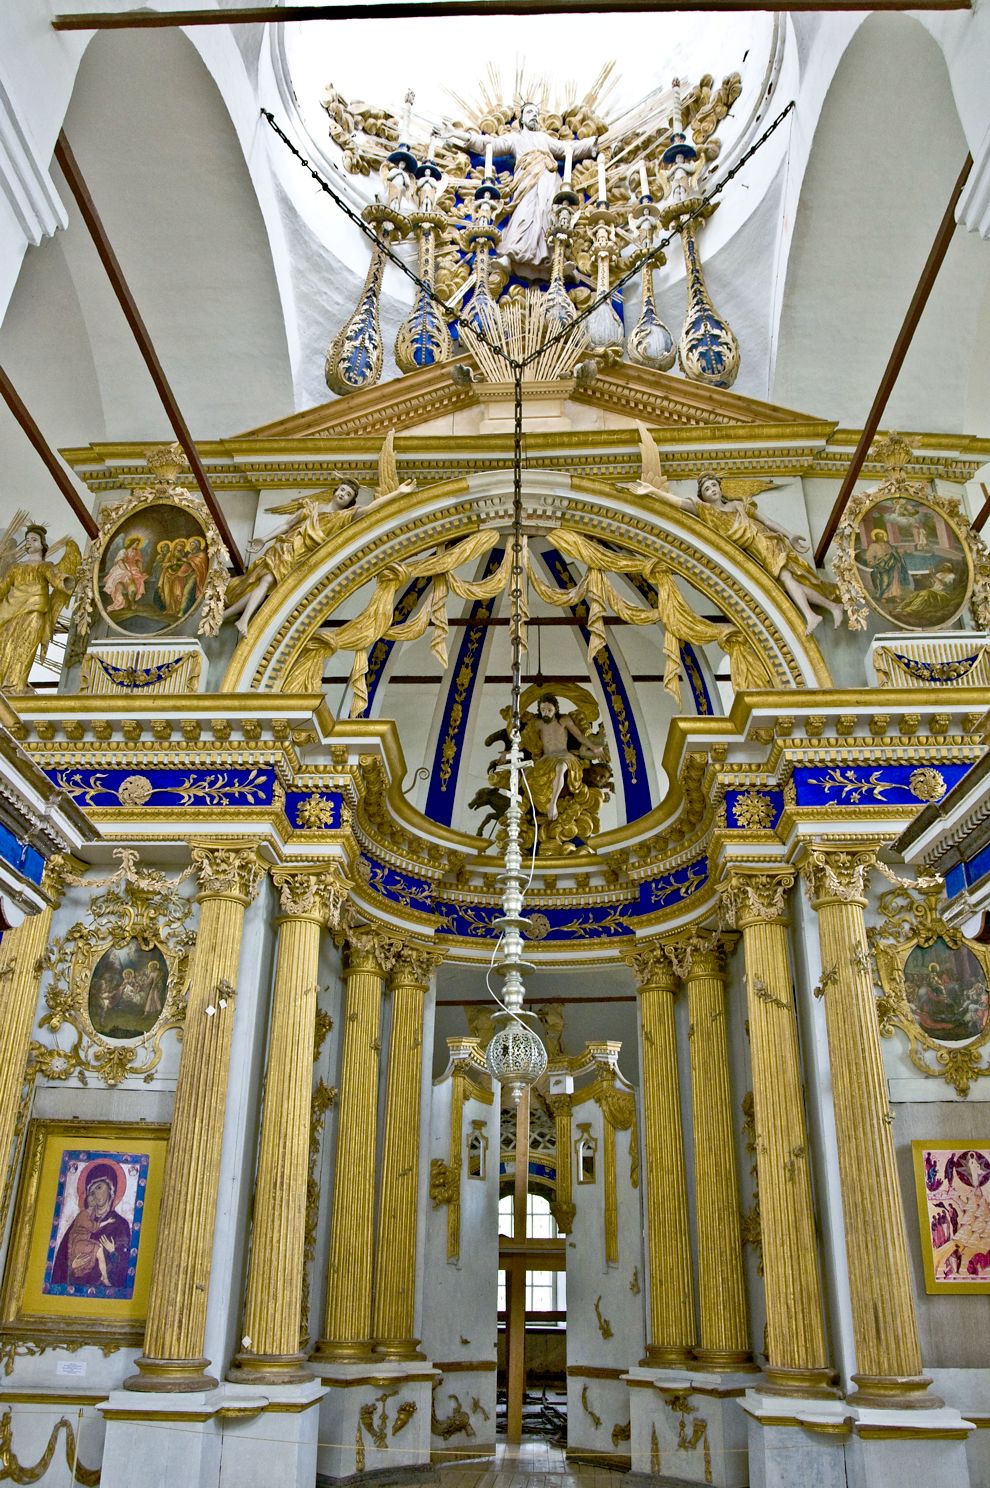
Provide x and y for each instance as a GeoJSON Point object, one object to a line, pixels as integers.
{"type": "Point", "coordinates": [33, 593]}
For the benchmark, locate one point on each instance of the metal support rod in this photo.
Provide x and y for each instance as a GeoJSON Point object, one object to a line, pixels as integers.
{"type": "Point", "coordinates": [399, 9]}
{"type": "Point", "coordinates": [52, 463]}
{"type": "Point", "coordinates": [904, 338]}
{"type": "Point", "coordinates": [87, 207]}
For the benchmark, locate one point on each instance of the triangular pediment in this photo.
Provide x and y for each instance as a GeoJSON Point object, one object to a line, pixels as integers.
{"type": "Point", "coordinates": [623, 392]}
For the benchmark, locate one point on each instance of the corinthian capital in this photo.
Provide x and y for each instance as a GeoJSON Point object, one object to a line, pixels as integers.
{"type": "Point", "coordinates": [367, 948]}
{"type": "Point", "coordinates": [702, 953]}
{"type": "Point", "coordinates": [754, 894]}
{"type": "Point", "coordinates": [652, 967]}
{"type": "Point", "coordinates": [415, 964]}
{"type": "Point", "coordinates": [225, 869]}
{"type": "Point", "coordinates": [311, 893]}
{"type": "Point", "coordinates": [838, 873]}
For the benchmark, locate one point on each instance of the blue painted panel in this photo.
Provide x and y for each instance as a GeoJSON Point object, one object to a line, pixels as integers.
{"type": "Point", "coordinates": [21, 856]}
{"type": "Point", "coordinates": [866, 785]}
{"type": "Point", "coordinates": [171, 789]}
{"type": "Point", "coordinates": [776, 799]}
{"type": "Point", "coordinates": [309, 809]}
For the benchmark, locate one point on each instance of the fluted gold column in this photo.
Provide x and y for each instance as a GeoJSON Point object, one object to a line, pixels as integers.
{"type": "Point", "coordinates": [672, 1326]}
{"type": "Point", "coordinates": [562, 1205]}
{"type": "Point", "coordinates": [888, 1354]}
{"type": "Point", "coordinates": [229, 874]}
{"type": "Point", "coordinates": [20, 979]}
{"type": "Point", "coordinates": [699, 959]}
{"type": "Point", "coordinates": [310, 899]}
{"type": "Point", "coordinates": [393, 1316]}
{"type": "Point", "coordinates": [798, 1361]}
{"type": "Point", "coordinates": [369, 956]}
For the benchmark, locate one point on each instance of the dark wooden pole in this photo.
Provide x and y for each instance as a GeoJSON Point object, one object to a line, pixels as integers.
{"type": "Point", "coordinates": [52, 462]}
{"type": "Point", "coordinates": [905, 336]}
{"type": "Point", "coordinates": [77, 185]}
{"type": "Point", "coordinates": [390, 10]}
{"type": "Point", "coordinates": [979, 521]}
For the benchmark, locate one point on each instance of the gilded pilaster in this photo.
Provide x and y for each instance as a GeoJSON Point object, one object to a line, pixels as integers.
{"type": "Point", "coordinates": [229, 874]}
{"type": "Point", "coordinates": [798, 1361]}
{"type": "Point", "coordinates": [393, 1318]}
{"type": "Point", "coordinates": [563, 1202]}
{"type": "Point", "coordinates": [310, 900]}
{"type": "Point", "coordinates": [888, 1353]}
{"type": "Point", "coordinates": [20, 978]}
{"type": "Point", "coordinates": [700, 960]}
{"type": "Point", "coordinates": [672, 1325]}
{"type": "Point", "coordinates": [347, 1336]}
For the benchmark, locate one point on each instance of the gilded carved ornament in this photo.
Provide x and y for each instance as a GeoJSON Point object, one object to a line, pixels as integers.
{"type": "Point", "coordinates": [702, 953]}
{"type": "Point", "coordinates": [838, 874]}
{"type": "Point", "coordinates": [224, 870]}
{"type": "Point", "coordinates": [415, 964]}
{"type": "Point", "coordinates": [319, 894]}
{"type": "Point", "coordinates": [934, 987]}
{"type": "Point", "coordinates": [17, 1472]}
{"type": "Point", "coordinates": [652, 967]}
{"type": "Point", "coordinates": [119, 980]}
{"type": "Point", "coordinates": [749, 897]}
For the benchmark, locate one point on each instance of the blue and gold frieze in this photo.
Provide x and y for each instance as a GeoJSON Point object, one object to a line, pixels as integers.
{"type": "Point", "coordinates": [309, 810]}
{"type": "Point", "coordinates": [874, 785]}
{"type": "Point", "coordinates": [403, 889]}
{"type": "Point", "coordinates": [632, 765]}
{"type": "Point", "coordinates": [21, 856]}
{"type": "Point", "coordinates": [670, 888]}
{"type": "Point", "coordinates": [752, 809]}
{"type": "Point", "coordinates": [95, 789]}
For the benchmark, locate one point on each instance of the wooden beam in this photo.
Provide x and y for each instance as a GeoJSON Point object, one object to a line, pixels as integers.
{"type": "Point", "coordinates": [515, 1276]}
{"type": "Point", "coordinates": [905, 336]}
{"type": "Point", "coordinates": [91, 217]}
{"type": "Point", "coordinates": [979, 521]}
{"type": "Point", "coordinates": [391, 10]}
{"type": "Point", "coordinates": [54, 466]}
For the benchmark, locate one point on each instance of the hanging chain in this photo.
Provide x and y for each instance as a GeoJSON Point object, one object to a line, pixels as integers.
{"type": "Point", "coordinates": [518, 576]}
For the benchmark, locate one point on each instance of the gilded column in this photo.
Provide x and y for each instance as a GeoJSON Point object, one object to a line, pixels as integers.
{"type": "Point", "coordinates": [369, 956]}
{"type": "Point", "coordinates": [562, 1205]}
{"type": "Point", "coordinates": [888, 1355]}
{"type": "Point", "coordinates": [393, 1317]}
{"type": "Point", "coordinates": [310, 899]}
{"type": "Point", "coordinates": [672, 1326]}
{"type": "Point", "coordinates": [798, 1360]}
{"type": "Point", "coordinates": [229, 874]}
{"type": "Point", "coordinates": [699, 959]}
{"type": "Point", "coordinates": [20, 978]}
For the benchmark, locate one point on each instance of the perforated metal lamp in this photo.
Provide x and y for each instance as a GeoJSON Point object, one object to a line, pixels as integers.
{"type": "Point", "coordinates": [516, 1057]}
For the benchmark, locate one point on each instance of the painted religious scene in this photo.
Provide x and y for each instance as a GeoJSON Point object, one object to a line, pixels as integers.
{"type": "Point", "coordinates": [127, 991]}
{"type": "Point", "coordinates": [914, 567]}
{"type": "Point", "coordinates": [96, 1226]}
{"type": "Point", "coordinates": [153, 571]}
{"type": "Point", "coordinates": [946, 989]}
{"type": "Point", "coordinates": [957, 1209]}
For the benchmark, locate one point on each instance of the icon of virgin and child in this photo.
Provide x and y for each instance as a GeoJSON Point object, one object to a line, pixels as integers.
{"type": "Point", "coordinates": [94, 1253]}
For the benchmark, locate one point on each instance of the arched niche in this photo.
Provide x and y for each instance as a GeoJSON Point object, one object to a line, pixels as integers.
{"type": "Point", "coordinates": [407, 527]}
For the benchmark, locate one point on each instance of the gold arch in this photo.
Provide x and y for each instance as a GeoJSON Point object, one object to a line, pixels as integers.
{"type": "Point", "coordinates": [410, 525]}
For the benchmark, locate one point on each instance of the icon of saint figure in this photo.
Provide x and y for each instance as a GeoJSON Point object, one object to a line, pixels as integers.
{"type": "Point", "coordinates": [126, 577]}
{"type": "Point", "coordinates": [95, 1249]}
{"type": "Point", "coordinates": [535, 183]}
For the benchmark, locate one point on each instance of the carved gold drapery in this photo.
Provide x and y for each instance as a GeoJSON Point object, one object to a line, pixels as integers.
{"type": "Point", "coordinates": [672, 1326]}
{"type": "Point", "coordinates": [393, 1318]}
{"type": "Point", "coordinates": [798, 1361]}
{"type": "Point", "coordinates": [369, 957]}
{"type": "Point", "coordinates": [888, 1354]}
{"type": "Point", "coordinates": [310, 900]}
{"type": "Point", "coordinates": [700, 960]}
{"type": "Point", "coordinates": [229, 874]}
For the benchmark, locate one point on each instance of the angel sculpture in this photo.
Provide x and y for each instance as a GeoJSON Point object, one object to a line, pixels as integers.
{"type": "Point", "coordinates": [775, 549]}
{"type": "Point", "coordinates": [33, 593]}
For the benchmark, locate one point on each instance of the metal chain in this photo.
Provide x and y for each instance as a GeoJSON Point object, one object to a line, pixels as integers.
{"type": "Point", "coordinates": [518, 577]}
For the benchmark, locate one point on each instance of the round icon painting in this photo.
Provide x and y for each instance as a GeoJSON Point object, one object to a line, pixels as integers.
{"type": "Point", "coordinates": [153, 570]}
{"type": "Point", "coordinates": [913, 563]}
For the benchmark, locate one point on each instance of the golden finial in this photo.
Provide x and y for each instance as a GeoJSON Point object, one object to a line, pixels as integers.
{"type": "Point", "coordinates": [893, 452]}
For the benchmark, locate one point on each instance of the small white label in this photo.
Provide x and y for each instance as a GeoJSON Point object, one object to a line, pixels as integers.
{"type": "Point", "coordinates": [70, 1366]}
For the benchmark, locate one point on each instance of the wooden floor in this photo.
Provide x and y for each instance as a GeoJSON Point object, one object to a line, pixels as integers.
{"type": "Point", "coordinates": [532, 1464]}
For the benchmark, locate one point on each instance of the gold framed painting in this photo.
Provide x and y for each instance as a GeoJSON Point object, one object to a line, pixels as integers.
{"type": "Point", "coordinates": [83, 1236]}
{"type": "Point", "coordinates": [952, 1181]}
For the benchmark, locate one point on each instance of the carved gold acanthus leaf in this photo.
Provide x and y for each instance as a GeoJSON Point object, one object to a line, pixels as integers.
{"type": "Point", "coordinates": [226, 870]}
{"type": "Point", "coordinates": [415, 964]}
{"type": "Point", "coordinates": [315, 893]}
{"type": "Point", "coordinates": [651, 967]}
{"type": "Point", "coordinates": [700, 953]}
{"type": "Point", "coordinates": [838, 874]}
{"type": "Point", "coordinates": [750, 897]}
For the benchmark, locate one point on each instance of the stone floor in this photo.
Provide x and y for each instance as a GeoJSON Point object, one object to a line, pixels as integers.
{"type": "Point", "coordinates": [534, 1463]}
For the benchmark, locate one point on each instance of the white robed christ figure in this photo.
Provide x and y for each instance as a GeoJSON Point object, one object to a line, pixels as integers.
{"type": "Point", "coordinates": [535, 183]}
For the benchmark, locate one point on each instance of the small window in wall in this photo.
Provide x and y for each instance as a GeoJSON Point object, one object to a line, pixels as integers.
{"type": "Point", "coordinates": [585, 1150]}
{"type": "Point", "coordinates": [477, 1151]}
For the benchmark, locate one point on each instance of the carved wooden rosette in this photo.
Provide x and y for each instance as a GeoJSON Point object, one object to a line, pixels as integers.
{"type": "Point", "coordinates": [368, 958]}
{"type": "Point", "coordinates": [229, 874]}
{"type": "Point", "coordinates": [672, 1330]}
{"type": "Point", "coordinates": [798, 1361]}
{"type": "Point", "coordinates": [888, 1353]}
{"type": "Point", "coordinates": [393, 1320]}
{"type": "Point", "coordinates": [310, 899]}
{"type": "Point", "coordinates": [700, 960]}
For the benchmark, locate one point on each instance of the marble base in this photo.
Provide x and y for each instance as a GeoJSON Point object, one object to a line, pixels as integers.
{"type": "Point", "coordinates": [161, 1439]}
{"type": "Point", "coordinates": [464, 1403]}
{"type": "Point", "coordinates": [795, 1440]}
{"type": "Point", "coordinates": [688, 1425]}
{"type": "Point", "coordinates": [374, 1417]}
{"type": "Point", "coordinates": [888, 1448]}
{"type": "Point", "coordinates": [278, 1446]}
